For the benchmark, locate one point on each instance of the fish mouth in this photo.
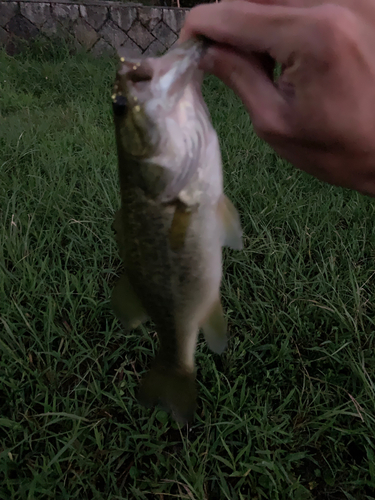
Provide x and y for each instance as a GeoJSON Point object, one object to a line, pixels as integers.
{"type": "Point", "coordinates": [170, 72]}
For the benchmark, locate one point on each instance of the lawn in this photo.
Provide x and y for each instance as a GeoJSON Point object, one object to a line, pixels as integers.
{"type": "Point", "coordinates": [287, 412]}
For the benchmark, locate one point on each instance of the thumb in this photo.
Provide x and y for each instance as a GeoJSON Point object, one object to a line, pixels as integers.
{"type": "Point", "coordinates": [247, 77]}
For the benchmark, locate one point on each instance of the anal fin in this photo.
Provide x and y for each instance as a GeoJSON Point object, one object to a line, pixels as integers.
{"type": "Point", "coordinates": [215, 329]}
{"type": "Point", "coordinates": [126, 305]}
{"type": "Point", "coordinates": [230, 220]}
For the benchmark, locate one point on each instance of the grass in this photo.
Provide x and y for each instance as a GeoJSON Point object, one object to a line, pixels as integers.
{"type": "Point", "coordinates": [287, 412]}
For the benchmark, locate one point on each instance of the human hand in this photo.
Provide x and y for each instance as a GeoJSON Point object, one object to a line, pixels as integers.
{"type": "Point", "coordinates": [320, 114]}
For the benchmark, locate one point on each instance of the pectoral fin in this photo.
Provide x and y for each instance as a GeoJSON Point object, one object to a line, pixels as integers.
{"type": "Point", "coordinates": [230, 220]}
{"type": "Point", "coordinates": [126, 305]}
{"type": "Point", "coordinates": [215, 329]}
{"type": "Point", "coordinates": [180, 224]}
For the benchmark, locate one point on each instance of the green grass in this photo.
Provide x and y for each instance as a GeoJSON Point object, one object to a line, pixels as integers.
{"type": "Point", "coordinates": [287, 412]}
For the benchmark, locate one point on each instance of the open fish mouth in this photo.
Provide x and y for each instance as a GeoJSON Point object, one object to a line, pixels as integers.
{"type": "Point", "coordinates": [172, 71]}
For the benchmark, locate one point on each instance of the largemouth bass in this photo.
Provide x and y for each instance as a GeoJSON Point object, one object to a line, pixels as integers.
{"type": "Point", "coordinates": [174, 218]}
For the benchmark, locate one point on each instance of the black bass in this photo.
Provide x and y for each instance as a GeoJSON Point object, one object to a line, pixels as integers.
{"type": "Point", "coordinates": [174, 218]}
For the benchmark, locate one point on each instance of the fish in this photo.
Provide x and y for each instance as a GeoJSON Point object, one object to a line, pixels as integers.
{"type": "Point", "coordinates": [173, 220]}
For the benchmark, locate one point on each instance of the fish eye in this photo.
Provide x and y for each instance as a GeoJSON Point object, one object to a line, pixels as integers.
{"type": "Point", "coordinates": [119, 105]}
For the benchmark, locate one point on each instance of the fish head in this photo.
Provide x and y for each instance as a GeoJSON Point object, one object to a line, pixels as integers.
{"type": "Point", "coordinates": [132, 89]}
{"type": "Point", "coordinates": [146, 92]}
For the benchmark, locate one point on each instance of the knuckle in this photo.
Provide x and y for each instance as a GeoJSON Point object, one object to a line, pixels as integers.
{"type": "Point", "coordinates": [190, 18]}
{"type": "Point", "coordinates": [336, 18]}
{"type": "Point", "coordinates": [193, 17]}
{"type": "Point", "coordinates": [337, 28]}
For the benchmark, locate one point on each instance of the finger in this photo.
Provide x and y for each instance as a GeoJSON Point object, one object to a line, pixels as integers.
{"type": "Point", "coordinates": [285, 3]}
{"type": "Point", "coordinates": [246, 76]}
{"type": "Point", "coordinates": [274, 29]}
{"type": "Point", "coordinates": [267, 61]}
{"type": "Point", "coordinates": [247, 25]}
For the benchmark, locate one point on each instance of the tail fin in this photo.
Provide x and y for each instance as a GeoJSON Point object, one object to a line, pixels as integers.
{"type": "Point", "coordinates": [175, 390]}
